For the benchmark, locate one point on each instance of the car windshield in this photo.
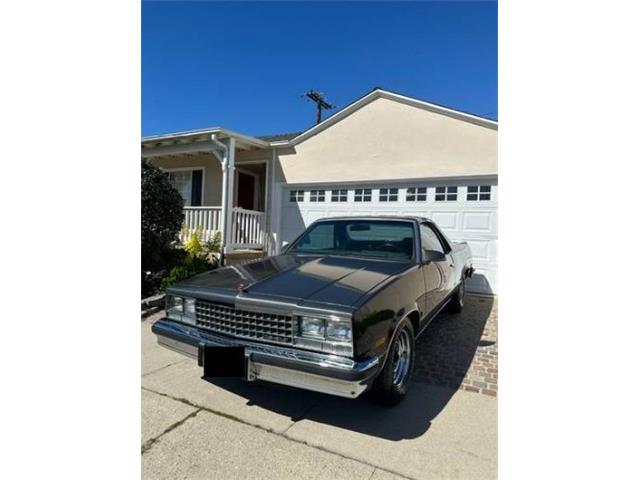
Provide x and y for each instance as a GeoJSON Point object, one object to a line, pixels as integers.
{"type": "Point", "coordinates": [370, 238]}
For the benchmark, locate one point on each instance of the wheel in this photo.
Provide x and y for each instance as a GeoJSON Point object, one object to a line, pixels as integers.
{"type": "Point", "coordinates": [457, 301]}
{"type": "Point", "coordinates": [392, 384]}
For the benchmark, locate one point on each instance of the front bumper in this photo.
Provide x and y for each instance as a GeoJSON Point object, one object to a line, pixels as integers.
{"type": "Point", "coordinates": [288, 366]}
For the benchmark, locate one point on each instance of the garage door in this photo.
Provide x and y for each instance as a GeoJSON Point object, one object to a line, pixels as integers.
{"type": "Point", "coordinates": [464, 211]}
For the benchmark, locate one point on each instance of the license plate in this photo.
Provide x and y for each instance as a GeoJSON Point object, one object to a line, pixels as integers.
{"type": "Point", "coordinates": [224, 362]}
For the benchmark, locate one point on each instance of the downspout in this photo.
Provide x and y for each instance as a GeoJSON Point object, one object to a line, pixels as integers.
{"type": "Point", "coordinates": [224, 164]}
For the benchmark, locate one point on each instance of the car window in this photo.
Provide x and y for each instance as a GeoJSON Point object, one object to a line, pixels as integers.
{"type": "Point", "coordinates": [319, 238]}
{"type": "Point", "coordinates": [430, 240]}
{"type": "Point", "coordinates": [358, 237]}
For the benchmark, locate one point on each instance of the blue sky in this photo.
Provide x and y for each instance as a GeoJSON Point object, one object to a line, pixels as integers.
{"type": "Point", "coordinates": [244, 66]}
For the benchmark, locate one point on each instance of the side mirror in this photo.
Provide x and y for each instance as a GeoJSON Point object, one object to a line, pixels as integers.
{"type": "Point", "coordinates": [429, 256]}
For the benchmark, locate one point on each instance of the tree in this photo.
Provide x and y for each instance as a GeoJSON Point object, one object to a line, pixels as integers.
{"type": "Point", "coordinates": [161, 215]}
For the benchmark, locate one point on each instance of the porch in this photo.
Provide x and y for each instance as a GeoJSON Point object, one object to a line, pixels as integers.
{"type": "Point", "coordinates": [224, 179]}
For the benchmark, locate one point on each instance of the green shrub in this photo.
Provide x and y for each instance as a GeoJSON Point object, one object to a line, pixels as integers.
{"type": "Point", "coordinates": [193, 245]}
{"type": "Point", "coordinates": [213, 245]}
{"type": "Point", "coordinates": [161, 216]}
{"type": "Point", "coordinates": [191, 266]}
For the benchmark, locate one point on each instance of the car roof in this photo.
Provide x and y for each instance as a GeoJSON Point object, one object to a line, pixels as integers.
{"type": "Point", "coordinates": [377, 217]}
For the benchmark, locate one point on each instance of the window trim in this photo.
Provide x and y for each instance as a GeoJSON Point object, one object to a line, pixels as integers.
{"type": "Point", "coordinates": [190, 169]}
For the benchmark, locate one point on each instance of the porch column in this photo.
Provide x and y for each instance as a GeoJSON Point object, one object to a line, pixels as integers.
{"type": "Point", "coordinates": [229, 192]}
{"type": "Point", "coordinates": [225, 153]}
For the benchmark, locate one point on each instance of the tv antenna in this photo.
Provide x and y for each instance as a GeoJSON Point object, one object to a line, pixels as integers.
{"type": "Point", "coordinates": [321, 103]}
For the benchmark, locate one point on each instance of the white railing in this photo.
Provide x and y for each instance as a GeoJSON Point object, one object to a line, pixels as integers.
{"type": "Point", "coordinates": [247, 228]}
{"type": "Point", "coordinates": [206, 217]}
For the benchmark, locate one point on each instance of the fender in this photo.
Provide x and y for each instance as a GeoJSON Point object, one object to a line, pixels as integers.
{"type": "Point", "coordinates": [393, 331]}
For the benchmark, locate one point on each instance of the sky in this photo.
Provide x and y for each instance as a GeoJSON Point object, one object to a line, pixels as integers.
{"type": "Point", "coordinates": [246, 66]}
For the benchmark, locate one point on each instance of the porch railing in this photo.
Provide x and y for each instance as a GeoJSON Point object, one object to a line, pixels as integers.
{"type": "Point", "coordinates": [206, 217]}
{"type": "Point", "coordinates": [247, 228]}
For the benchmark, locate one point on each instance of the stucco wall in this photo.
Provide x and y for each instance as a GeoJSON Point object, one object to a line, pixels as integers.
{"type": "Point", "coordinates": [390, 140]}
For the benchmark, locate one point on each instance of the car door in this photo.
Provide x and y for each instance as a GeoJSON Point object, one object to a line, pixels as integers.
{"type": "Point", "coordinates": [437, 274]}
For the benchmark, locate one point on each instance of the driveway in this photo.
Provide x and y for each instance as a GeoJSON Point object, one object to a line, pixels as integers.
{"type": "Point", "coordinates": [192, 428]}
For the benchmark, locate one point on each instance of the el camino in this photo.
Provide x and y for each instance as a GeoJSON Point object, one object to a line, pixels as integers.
{"type": "Point", "coordinates": [338, 312]}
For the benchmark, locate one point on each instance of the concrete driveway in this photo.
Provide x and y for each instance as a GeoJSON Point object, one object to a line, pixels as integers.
{"type": "Point", "coordinates": [192, 428]}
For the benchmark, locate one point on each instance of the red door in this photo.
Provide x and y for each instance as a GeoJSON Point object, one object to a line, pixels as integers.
{"type": "Point", "coordinates": [246, 190]}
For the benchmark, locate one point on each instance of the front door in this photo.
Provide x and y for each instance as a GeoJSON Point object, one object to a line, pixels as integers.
{"type": "Point", "coordinates": [246, 191]}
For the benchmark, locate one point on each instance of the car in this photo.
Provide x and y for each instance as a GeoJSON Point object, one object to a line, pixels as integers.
{"type": "Point", "coordinates": [338, 311]}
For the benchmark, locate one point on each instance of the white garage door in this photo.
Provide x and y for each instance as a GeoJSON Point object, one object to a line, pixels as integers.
{"type": "Point", "coordinates": [465, 211]}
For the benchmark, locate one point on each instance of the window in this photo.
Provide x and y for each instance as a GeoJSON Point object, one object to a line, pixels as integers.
{"type": "Point", "coordinates": [189, 184]}
{"type": "Point", "coordinates": [430, 240]}
{"type": "Point", "coordinates": [478, 192]}
{"type": "Point", "coordinates": [317, 196]}
{"type": "Point", "coordinates": [359, 238]}
{"type": "Point", "coordinates": [362, 195]}
{"type": "Point", "coordinates": [320, 237]}
{"type": "Point", "coordinates": [339, 195]}
{"type": "Point", "coordinates": [417, 194]}
{"type": "Point", "coordinates": [446, 194]}
{"type": "Point", "coordinates": [388, 195]}
{"type": "Point", "coordinates": [296, 196]}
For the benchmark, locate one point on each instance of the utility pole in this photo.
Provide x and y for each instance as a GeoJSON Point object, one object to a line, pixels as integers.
{"type": "Point", "coordinates": [321, 103]}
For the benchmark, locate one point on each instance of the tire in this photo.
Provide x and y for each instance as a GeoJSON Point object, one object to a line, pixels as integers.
{"type": "Point", "coordinates": [392, 383]}
{"type": "Point", "coordinates": [457, 300]}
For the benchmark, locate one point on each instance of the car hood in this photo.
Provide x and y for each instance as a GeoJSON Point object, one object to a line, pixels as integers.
{"type": "Point", "coordinates": [302, 278]}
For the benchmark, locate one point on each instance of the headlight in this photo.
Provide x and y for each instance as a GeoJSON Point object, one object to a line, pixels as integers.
{"type": "Point", "coordinates": [181, 309]}
{"type": "Point", "coordinates": [339, 330]}
{"type": "Point", "coordinates": [312, 327]}
{"type": "Point", "coordinates": [331, 335]}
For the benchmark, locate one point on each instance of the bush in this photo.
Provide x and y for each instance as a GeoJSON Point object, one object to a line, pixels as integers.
{"type": "Point", "coordinates": [212, 246]}
{"type": "Point", "coordinates": [193, 245]}
{"type": "Point", "coordinates": [192, 265]}
{"type": "Point", "coordinates": [161, 216]}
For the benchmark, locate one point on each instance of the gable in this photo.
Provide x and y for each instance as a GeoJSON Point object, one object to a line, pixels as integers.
{"type": "Point", "coordinates": [389, 139]}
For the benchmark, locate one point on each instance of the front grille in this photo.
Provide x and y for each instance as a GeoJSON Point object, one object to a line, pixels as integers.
{"type": "Point", "coordinates": [242, 323]}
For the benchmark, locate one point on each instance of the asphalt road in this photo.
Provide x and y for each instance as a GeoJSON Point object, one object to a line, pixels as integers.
{"type": "Point", "coordinates": [192, 428]}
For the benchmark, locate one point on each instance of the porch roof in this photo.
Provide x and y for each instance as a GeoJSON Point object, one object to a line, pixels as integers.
{"type": "Point", "coordinates": [196, 141]}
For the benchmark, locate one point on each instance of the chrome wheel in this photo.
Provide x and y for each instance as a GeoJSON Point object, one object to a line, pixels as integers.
{"type": "Point", "coordinates": [401, 358]}
{"type": "Point", "coordinates": [461, 294]}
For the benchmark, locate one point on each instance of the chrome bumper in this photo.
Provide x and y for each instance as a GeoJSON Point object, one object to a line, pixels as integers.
{"type": "Point", "coordinates": [288, 366]}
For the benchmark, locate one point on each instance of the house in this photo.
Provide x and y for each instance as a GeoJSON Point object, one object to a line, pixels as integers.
{"type": "Point", "coordinates": [385, 153]}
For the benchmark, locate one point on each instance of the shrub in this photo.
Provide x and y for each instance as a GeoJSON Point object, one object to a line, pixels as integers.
{"type": "Point", "coordinates": [213, 245]}
{"type": "Point", "coordinates": [192, 265]}
{"type": "Point", "coordinates": [193, 245]}
{"type": "Point", "coordinates": [161, 216]}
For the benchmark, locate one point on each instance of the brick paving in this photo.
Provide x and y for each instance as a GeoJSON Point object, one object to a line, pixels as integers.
{"type": "Point", "coordinates": [461, 350]}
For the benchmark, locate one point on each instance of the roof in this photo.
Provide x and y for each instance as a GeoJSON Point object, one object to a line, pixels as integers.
{"type": "Point", "coordinates": [290, 139]}
{"type": "Point", "coordinates": [278, 137]}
